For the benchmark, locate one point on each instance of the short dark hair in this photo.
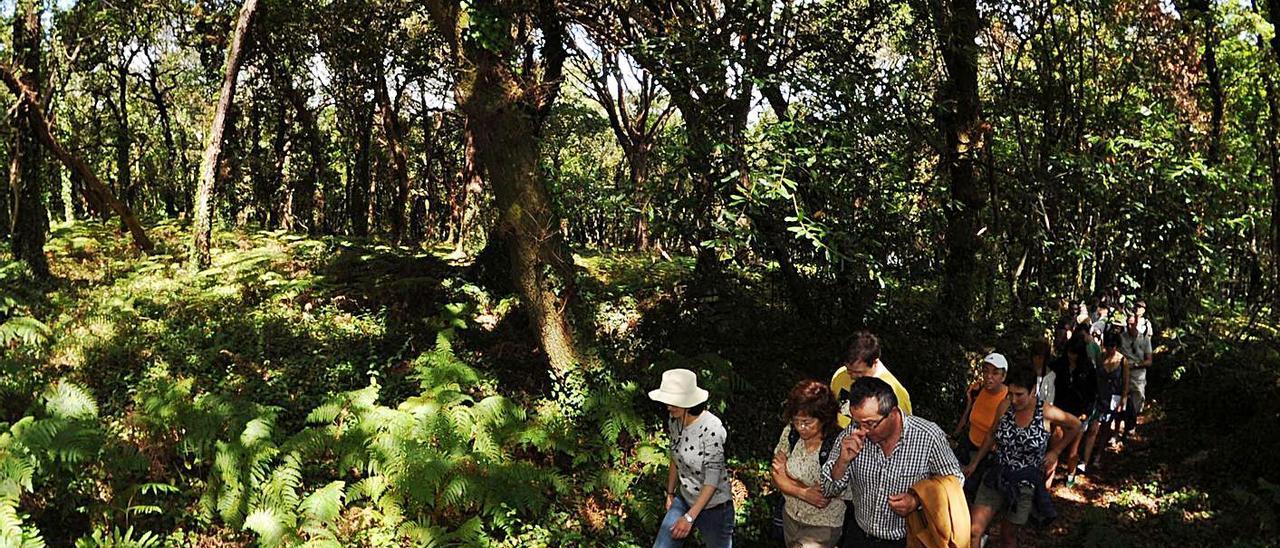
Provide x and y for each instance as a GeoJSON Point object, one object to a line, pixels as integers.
{"type": "Point", "coordinates": [864, 346]}
{"type": "Point", "coordinates": [813, 398]}
{"type": "Point", "coordinates": [1040, 347]}
{"type": "Point", "coordinates": [697, 409]}
{"type": "Point", "coordinates": [1140, 304]}
{"type": "Point", "coordinates": [1078, 344]}
{"type": "Point", "coordinates": [1022, 376]}
{"type": "Point", "coordinates": [871, 387]}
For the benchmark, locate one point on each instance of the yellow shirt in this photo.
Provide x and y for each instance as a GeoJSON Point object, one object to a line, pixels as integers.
{"type": "Point", "coordinates": [842, 381]}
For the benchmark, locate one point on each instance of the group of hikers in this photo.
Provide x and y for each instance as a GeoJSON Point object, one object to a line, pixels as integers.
{"type": "Point", "coordinates": [856, 468]}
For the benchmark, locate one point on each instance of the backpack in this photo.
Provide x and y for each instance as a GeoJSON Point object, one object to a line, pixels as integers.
{"type": "Point", "coordinates": [779, 502]}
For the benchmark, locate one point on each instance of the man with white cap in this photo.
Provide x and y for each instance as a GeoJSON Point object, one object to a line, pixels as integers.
{"type": "Point", "coordinates": [698, 494]}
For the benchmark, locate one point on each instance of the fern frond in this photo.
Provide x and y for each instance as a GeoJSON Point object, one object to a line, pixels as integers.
{"type": "Point", "coordinates": [267, 524]}
{"type": "Point", "coordinates": [325, 503]}
{"type": "Point", "coordinates": [67, 400]}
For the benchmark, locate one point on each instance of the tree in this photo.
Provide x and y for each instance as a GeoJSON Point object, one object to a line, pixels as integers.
{"type": "Point", "coordinates": [636, 116]}
{"type": "Point", "coordinates": [506, 84]}
{"type": "Point", "coordinates": [202, 225]}
{"type": "Point", "coordinates": [95, 192]}
{"type": "Point", "coordinates": [959, 118]}
{"type": "Point", "coordinates": [28, 217]}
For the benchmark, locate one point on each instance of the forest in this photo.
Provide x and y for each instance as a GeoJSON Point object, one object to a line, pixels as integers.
{"type": "Point", "coordinates": [402, 273]}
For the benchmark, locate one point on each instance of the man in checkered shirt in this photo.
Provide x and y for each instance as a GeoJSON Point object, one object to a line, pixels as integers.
{"type": "Point", "coordinates": [902, 450]}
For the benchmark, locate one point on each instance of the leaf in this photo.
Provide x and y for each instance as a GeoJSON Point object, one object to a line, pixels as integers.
{"type": "Point", "coordinates": [325, 503]}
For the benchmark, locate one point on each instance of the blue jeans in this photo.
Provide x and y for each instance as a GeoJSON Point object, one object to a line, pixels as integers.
{"type": "Point", "coordinates": [714, 524]}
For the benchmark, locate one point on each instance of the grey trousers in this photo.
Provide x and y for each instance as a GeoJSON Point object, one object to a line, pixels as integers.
{"type": "Point", "coordinates": [1137, 390]}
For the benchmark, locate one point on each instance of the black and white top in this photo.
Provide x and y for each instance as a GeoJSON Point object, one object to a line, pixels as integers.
{"type": "Point", "coordinates": [922, 452]}
{"type": "Point", "coordinates": [698, 451]}
{"type": "Point", "coordinates": [1018, 447]}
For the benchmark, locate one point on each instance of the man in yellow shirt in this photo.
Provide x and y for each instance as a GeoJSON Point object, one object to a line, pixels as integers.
{"type": "Point", "coordinates": [862, 359]}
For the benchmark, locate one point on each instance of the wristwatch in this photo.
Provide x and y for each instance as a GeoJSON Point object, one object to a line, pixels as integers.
{"type": "Point", "coordinates": [688, 519]}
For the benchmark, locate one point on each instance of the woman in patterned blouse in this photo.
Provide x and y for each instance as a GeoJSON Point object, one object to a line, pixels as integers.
{"type": "Point", "coordinates": [698, 494]}
{"type": "Point", "coordinates": [810, 520]}
{"type": "Point", "coordinates": [1024, 455]}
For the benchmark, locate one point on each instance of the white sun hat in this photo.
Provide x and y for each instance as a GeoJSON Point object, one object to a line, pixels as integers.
{"type": "Point", "coordinates": [997, 360]}
{"type": "Point", "coordinates": [679, 388]}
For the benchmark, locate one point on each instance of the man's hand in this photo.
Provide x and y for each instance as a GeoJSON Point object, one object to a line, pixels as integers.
{"type": "Point", "coordinates": [903, 503]}
{"type": "Point", "coordinates": [852, 446]}
{"type": "Point", "coordinates": [681, 528]}
{"type": "Point", "coordinates": [670, 498]}
{"type": "Point", "coordinates": [813, 495]}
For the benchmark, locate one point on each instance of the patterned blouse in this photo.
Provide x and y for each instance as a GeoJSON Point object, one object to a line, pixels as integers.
{"type": "Point", "coordinates": [1019, 447]}
{"type": "Point", "coordinates": [698, 451]}
{"type": "Point", "coordinates": [803, 465]}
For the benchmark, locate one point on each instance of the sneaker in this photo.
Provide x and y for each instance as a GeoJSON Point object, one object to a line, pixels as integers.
{"type": "Point", "coordinates": [1081, 468]}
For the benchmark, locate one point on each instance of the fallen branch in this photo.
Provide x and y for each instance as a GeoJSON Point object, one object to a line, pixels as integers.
{"type": "Point", "coordinates": [95, 191]}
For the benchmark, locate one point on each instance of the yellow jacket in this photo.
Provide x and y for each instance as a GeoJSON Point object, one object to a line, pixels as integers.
{"type": "Point", "coordinates": [943, 518]}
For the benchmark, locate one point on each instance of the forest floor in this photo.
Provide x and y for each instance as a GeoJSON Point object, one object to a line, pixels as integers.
{"type": "Point", "coordinates": [286, 320]}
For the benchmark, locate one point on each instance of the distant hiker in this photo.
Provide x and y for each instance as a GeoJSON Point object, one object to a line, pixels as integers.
{"type": "Point", "coordinates": [882, 454]}
{"type": "Point", "coordinates": [982, 399]}
{"type": "Point", "coordinates": [1076, 390]}
{"type": "Point", "coordinates": [1144, 323]}
{"type": "Point", "coordinates": [1102, 317]}
{"type": "Point", "coordinates": [810, 518]}
{"type": "Point", "coordinates": [862, 359]}
{"type": "Point", "coordinates": [1136, 347]}
{"type": "Point", "coordinates": [698, 494]}
{"type": "Point", "coordinates": [1015, 486]}
{"type": "Point", "coordinates": [1046, 388]}
{"type": "Point", "coordinates": [1045, 377]}
{"type": "Point", "coordinates": [1061, 334]}
{"type": "Point", "coordinates": [1082, 314]}
{"type": "Point", "coordinates": [1113, 391]}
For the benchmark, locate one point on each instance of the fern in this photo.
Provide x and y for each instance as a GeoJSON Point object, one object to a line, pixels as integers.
{"type": "Point", "coordinates": [118, 539]}
{"type": "Point", "coordinates": [23, 330]}
{"type": "Point", "coordinates": [269, 526]}
{"type": "Point", "coordinates": [323, 505]}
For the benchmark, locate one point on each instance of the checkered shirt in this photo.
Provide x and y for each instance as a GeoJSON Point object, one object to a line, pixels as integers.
{"type": "Point", "coordinates": [871, 476]}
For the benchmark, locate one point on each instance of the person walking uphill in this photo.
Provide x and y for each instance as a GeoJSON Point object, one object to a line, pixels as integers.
{"type": "Point", "coordinates": [1025, 453]}
{"type": "Point", "coordinates": [698, 495]}
{"type": "Point", "coordinates": [810, 519]}
{"type": "Point", "coordinates": [862, 360]}
{"type": "Point", "coordinates": [882, 454]}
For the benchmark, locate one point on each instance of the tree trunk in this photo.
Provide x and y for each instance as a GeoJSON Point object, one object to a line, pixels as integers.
{"type": "Point", "coordinates": [203, 224]}
{"type": "Point", "coordinates": [359, 177]}
{"type": "Point", "coordinates": [471, 184]}
{"type": "Point", "coordinates": [394, 134]}
{"type": "Point", "coordinates": [304, 192]}
{"type": "Point", "coordinates": [1214, 74]}
{"type": "Point", "coordinates": [279, 210]}
{"type": "Point", "coordinates": [96, 193]}
{"type": "Point", "coordinates": [1270, 71]}
{"type": "Point", "coordinates": [28, 217]}
{"type": "Point", "coordinates": [958, 115]}
{"type": "Point", "coordinates": [124, 140]}
{"type": "Point", "coordinates": [505, 116]}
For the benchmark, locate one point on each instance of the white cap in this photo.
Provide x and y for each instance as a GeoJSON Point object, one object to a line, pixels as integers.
{"type": "Point", "coordinates": [997, 360]}
{"type": "Point", "coordinates": [679, 388]}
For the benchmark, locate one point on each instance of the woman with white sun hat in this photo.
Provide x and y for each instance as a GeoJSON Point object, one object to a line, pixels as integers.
{"type": "Point", "coordinates": [698, 494]}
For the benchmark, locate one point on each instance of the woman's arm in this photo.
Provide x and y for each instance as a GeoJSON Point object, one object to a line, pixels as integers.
{"type": "Point", "coordinates": [1124, 376]}
{"type": "Point", "coordinates": [968, 408]}
{"type": "Point", "coordinates": [1069, 424]}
